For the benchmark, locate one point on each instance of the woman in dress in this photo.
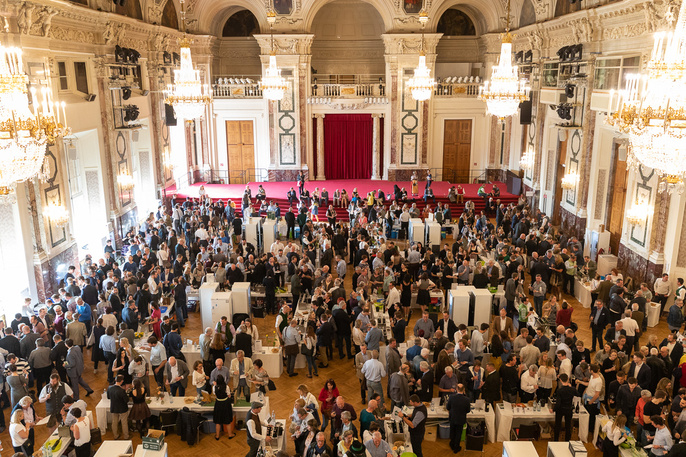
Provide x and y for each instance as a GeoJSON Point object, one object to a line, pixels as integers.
{"type": "Point", "coordinates": [18, 384]}
{"type": "Point", "coordinates": [140, 413]}
{"type": "Point", "coordinates": [121, 366]}
{"type": "Point", "coordinates": [345, 200]}
{"type": "Point", "coordinates": [615, 435]}
{"type": "Point", "coordinates": [415, 184]}
{"type": "Point", "coordinates": [198, 272]}
{"type": "Point", "coordinates": [156, 319]}
{"type": "Point", "coordinates": [82, 433]}
{"type": "Point", "coordinates": [259, 376]}
{"type": "Point", "coordinates": [19, 432]}
{"type": "Point", "coordinates": [424, 285]}
{"type": "Point", "coordinates": [331, 216]}
{"type": "Point", "coordinates": [327, 397]}
{"type": "Point", "coordinates": [199, 378]}
{"type": "Point", "coordinates": [546, 380]}
{"type": "Point", "coordinates": [223, 410]}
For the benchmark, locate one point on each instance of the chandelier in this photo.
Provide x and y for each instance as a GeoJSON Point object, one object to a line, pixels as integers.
{"type": "Point", "coordinates": [569, 180]}
{"type": "Point", "coordinates": [651, 110]}
{"type": "Point", "coordinates": [187, 95]}
{"type": "Point", "coordinates": [24, 131]}
{"type": "Point", "coordinates": [57, 214]}
{"type": "Point", "coordinates": [421, 85]}
{"type": "Point", "coordinates": [505, 91]}
{"type": "Point", "coordinates": [527, 160]}
{"type": "Point", "coordinates": [273, 85]}
{"type": "Point", "coordinates": [125, 181]}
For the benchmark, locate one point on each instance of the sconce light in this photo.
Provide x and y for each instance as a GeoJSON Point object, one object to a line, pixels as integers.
{"type": "Point", "coordinates": [639, 213]}
{"type": "Point", "coordinates": [569, 181]}
{"type": "Point", "coordinates": [57, 214]}
{"type": "Point", "coordinates": [125, 181]}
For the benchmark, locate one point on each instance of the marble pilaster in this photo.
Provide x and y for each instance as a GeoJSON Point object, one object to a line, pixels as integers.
{"type": "Point", "coordinates": [376, 145]}
{"type": "Point", "coordinates": [321, 174]}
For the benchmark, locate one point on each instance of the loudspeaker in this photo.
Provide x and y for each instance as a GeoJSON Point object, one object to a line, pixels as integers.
{"type": "Point", "coordinates": [134, 136]}
{"type": "Point", "coordinates": [169, 116]}
{"type": "Point", "coordinates": [621, 153]}
{"type": "Point", "coordinates": [525, 112]}
{"type": "Point", "coordinates": [90, 97]}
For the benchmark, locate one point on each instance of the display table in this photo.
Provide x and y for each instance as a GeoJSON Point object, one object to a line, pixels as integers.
{"type": "Point", "coordinates": [102, 410]}
{"type": "Point", "coordinates": [114, 448]}
{"type": "Point", "coordinates": [271, 361]}
{"type": "Point", "coordinates": [582, 292]}
{"type": "Point", "coordinates": [140, 452]}
{"type": "Point", "coordinates": [601, 420]}
{"type": "Point", "coordinates": [506, 416]}
{"type": "Point", "coordinates": [437, 413]}
{"type": "Point", "coordinates": [653, 314]}
{"type": "Point", "coordinates": [192, 353]}
{"type": "Point", "coordinates": [559, 449]}
{"type": "Point", "coordinates": [66, 442]}
{"type": "Point", "coordinates": [519, 449]}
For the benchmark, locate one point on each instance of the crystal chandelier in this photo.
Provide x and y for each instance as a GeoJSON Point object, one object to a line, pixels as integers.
{"type": "Point", "coordinates": [421, 85]}
{"type": "Point", "coordinates": [187, 95]}
{"type": "Point", "coordinates": [24, 131]}
{"type": "Point", "coordinates": [651, 110]}
{"type": "Point", "coordinates": [569, 181]}
{"type": "Point", "coordinates": [505, 91]}
{"type": "Point", "coordinates": [273, 86]}
{"type": "Point", "coordinates": [125, 181]}
{"type": "Point", "coordinates": [527, 160]}
{"type": "Point", "coordinates": [57, 214]}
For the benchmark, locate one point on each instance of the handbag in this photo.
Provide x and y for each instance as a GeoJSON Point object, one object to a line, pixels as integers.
{"type": "Point", "coordinates": [305, 351]}
{"type": "Point", "coordinates": [91, 340]}
{"type": "Point", "coordinates": [96, 436]}
{"type": "Point", "coordinates": [291, 349]}
{"type": "Point", "coordinates": [271, 385]}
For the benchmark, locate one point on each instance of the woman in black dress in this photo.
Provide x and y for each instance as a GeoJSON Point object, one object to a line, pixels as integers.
{"type": "Point", "coordinates": [406, 294]}
{"type": "Point", "coordinates": [223, 411]}
{"type": "Point", "coordinates": [140, 413]}
{"type": "Point", "coordinates": [96, 353]}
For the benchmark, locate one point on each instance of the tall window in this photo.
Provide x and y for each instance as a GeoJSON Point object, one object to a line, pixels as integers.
{"type": "Point", "coordinates": [81, 77]}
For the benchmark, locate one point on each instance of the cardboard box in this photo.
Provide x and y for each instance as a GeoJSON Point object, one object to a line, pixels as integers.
{"type": "Point", "coordinates": [431, 433]}
{"type": "Point", "coordinates": [154, 440]}
{"type": "Point", "coordinates": [577, 449]}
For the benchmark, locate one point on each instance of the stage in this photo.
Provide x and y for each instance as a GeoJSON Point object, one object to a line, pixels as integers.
{"type": "Point", "coordinates": [277, 191]}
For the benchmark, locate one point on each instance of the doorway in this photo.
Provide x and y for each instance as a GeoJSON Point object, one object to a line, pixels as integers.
{"type": "Point", "coordinates": [616, 198]}
{"type": "Point", "coordinates": [559, 173]}
{"type": "Point", "coordinates": [457, 150]}
{"type": "Point", "coordinates": [240, 146]}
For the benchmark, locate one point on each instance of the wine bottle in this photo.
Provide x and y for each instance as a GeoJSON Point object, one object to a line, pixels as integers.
{"type": "Point", "coordinates": [394, 427]}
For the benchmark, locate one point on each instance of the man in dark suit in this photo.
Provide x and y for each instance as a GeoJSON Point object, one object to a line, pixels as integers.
{"type": "Point", "coordinates": [10, 343]}
{"type": "Point", "coordinates": [458, 407]}
{"type": "Point", "coordinates": [491, 387]}
{"type": "Point", "coordinates": [447, 326]}
{"type": "Point", "coordinates": [613, 333]}
{"type": "Point", "coordinates": [640, 370]}
{"type": "Point", "coordinates": [425, 382]}
{"type": "Point", "coordinates": [676, 350]}
{"type": "Point", "coordinates": [598, 323]}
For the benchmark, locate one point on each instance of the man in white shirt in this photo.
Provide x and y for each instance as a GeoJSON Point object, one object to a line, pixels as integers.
{"type": "Point", "coordinates": [201, 234]}
{"type": "Point", "coordinates": [393, 295]}
{"type": "Point", "coordinates": [276, 247]}
{"type": "Point", "coordinates": [478, 342]}
{"type": "Point", "coordinates": [529, 384]}
{"type": "Point", "coordinates": [256, 429]}
{"type": "Point", "coordinates": [663, 289]}
{"type": "Point", "coordinates": [68, 408]}
{"type": "Point", "coordinates": [631, 327]}
{"type": "Point", "coordinates": [341, 267]}
{"type": "Point", "coordinates": [565, 364]}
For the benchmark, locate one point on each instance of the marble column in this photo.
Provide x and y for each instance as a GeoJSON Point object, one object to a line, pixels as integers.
{"type": "Point", "coordinates": [376, 145]}
{"type": "Point", "coordinates": [320, 147]}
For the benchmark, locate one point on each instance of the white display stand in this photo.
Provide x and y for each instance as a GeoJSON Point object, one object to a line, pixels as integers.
{"type": "Point", "coordinates": [269, 233]}
{"type": "Point", "coordinates": [240, 298]}
{"type": "Point", "coordinates": [606, 263]}
{"type": "Point", "coordinates": [433, 234]}
{"type": "Point", "coordinates": [252, 232]}
{"type": "Point", "coordinates": [482, 306]}
{"type": "Point", "coordinates": [461, 300]}
{"type": "Point", "coordinates": [114, 448]}
{"type": "Point", "coordinates": [595, 242]}
{"type": "Point", "coordinates": [653, 314]}
{"type": "Point", "coordinates": [220, 305]}
{"type": "Point", "coordinates": [559, 449]}
{"type": "Point", "coordinates": [519, 449]}
{"type": "Point", "coordinates": [458, 308]}
{"type": "Point", "coordinates": [416, 230]}
{"type": "Point", "coordinates": [209, 278]}
{"type": "Point", "coordinates": [205, 292]}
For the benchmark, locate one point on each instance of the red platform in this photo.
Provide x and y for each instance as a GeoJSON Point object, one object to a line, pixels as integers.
{"type": "Point", "coordinates": [277, 191]}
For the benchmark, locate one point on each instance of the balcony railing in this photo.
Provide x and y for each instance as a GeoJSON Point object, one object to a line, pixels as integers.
{"type": "Point", "coordinates": [347, 86]}
{"type": "Point", "coordinates": [463, 86]}
{"type": "Point", "coordinates": [237, 87]}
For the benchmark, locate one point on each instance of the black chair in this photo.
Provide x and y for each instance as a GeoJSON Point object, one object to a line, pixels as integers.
{"type": "Point", "coordinates": [168, 418]}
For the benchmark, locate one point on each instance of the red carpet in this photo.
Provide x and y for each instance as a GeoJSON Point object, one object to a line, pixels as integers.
{"type": "Point", "coordinates": [277, 191]}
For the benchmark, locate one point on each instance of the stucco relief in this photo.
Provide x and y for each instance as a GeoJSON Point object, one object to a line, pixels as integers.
{"type": "Point", "coordinates": [65, 34]}
{"type": "Point", "coordinates": [114, 33]}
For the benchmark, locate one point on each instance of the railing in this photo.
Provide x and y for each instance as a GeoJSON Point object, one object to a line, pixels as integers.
{"type": "Point", "coordinates": [237, 87]}
{"type": "Point", "coordinates": [348, 86]}
{"type": "Point", "coordinates": [457, 89]}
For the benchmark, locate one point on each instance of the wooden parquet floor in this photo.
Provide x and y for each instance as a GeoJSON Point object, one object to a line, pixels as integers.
{"type": "Point", "coordinates": [282, 399]}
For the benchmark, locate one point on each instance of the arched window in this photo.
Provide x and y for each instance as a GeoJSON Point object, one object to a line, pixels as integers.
{"type": "Point", "coordinates": [563, 7]}
{"type": "Point", "coordinates": [131, 8]}
{"type": "Point", "coordinates": [169, 18]}
{"type": "Point", "coordinates": [528, 14]}
{"type": "Point", "coordinates": [243, 23]}
{"type": "Point", "coordinates": [455, 23]}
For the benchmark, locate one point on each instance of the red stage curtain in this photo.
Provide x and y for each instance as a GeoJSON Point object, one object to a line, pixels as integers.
{"type": "Point", "coordinates": [348, 146]}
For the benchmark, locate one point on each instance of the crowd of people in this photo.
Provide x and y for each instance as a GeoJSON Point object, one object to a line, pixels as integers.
{"type": "Point", "coordinates": [507, 359]}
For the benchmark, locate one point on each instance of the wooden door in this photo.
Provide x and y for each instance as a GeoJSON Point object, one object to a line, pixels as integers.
{"type": "Point", "coordinates": [617, 200]}
{"type": "Point", "coordinates": [241, 151]}
{"type": "Point", "coordinates": [559, 173]}
{"type": "Point", "coordinates": [457, 148]}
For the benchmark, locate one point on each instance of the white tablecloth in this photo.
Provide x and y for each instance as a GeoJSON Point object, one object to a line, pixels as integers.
{"type": "Point", "coordinates": [504, 419]}
{"type": "Point", "coordinates": [140, 452]}
{"type": "Point", "coordinates": [582, 292]}
{"type": "Point", "coordinates": [439, 412]}
{"type": "Point", "coordinates": [192, 353]}
{"type": "Point", "coordinates": [102, 410]}
{"type": "Point", "coordinates": [112, 448]}
{"type": "Point", "coordinates": [271, 361]}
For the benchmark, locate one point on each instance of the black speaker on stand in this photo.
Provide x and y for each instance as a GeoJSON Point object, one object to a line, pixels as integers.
{"type": "Point", "coordinates": [525, 112]}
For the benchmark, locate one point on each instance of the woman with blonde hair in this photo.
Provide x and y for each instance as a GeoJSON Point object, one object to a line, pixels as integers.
{"type": "Point", "coordinates": [546, 380]}
{"type": "Point", "coordinates": [615, 435]}
{"type": "Point", "coordinates": [217, 348]}
{"type": "Point", "coordinates": [126, 345]}
{"type": "Point", "coordinates": [20, 433]}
